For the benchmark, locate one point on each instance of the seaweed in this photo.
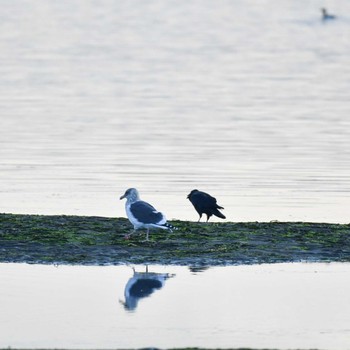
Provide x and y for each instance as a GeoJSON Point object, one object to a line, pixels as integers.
{"type": "Point", "coordinates": [62, 239]}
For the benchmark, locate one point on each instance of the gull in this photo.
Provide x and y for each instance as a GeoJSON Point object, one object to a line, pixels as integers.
{"type": "Point", "coordinates": [326, 15]}
{"type": "Point", "coordinates": [142, 214]}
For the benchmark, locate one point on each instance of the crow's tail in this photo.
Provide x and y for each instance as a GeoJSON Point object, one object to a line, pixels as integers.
{"type": "Point", "coordinates": [219, 214]}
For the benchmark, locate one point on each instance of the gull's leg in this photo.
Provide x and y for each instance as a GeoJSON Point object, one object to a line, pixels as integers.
{"type": "Point", "coordinates": [127, 236]}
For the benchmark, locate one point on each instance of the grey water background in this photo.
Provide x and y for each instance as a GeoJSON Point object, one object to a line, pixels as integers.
{"type": "Point", "coordinates": [272, 306]}
{"type": "Point", "coordinates": [248, 100]}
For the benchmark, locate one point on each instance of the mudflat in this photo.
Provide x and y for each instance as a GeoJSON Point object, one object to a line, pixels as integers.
{"type": "Point", "coordinates": [90, 240]}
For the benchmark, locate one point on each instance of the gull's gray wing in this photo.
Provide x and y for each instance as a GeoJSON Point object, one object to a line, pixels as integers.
{"type": "Point", "coordinates": [146, 213]}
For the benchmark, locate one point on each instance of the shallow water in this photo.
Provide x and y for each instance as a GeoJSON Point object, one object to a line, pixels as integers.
{"type": "Point", "coordinates": [246, 100]}
{"type": "Point", "coordinates": [281, 306]}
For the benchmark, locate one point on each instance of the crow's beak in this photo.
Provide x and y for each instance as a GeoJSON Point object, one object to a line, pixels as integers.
{"type": "Point", "coordinates": [122, 197]}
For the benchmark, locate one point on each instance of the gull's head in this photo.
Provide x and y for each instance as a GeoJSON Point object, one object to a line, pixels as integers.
{"type": "Point", "coordinates": [131, 194]}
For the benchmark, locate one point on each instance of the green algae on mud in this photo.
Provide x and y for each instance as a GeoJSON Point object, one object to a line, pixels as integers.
{"type": "Point", "coordinates": [100, 241]}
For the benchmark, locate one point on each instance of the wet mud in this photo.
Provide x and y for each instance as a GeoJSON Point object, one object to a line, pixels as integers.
{"type": "Point", "coordinates": [101, 241]}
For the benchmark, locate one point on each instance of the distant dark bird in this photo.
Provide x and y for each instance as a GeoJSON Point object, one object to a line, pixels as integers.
{"type": "Point", "coordinates": [204, 203]}
{"type": "Point", "coordinates": [142, 214]}
{"type": "Point", "coordinates": [326, 15]}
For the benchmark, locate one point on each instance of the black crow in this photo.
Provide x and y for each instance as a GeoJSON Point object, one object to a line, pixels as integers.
{"type": "Point", "coordinates": [204, 203]}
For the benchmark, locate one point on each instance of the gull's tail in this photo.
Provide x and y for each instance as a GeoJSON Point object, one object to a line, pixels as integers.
{"type": "Point", "coordinates": [168, 226]}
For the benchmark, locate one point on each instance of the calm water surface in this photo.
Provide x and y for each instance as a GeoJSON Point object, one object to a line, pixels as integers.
{"type": "Point", "coordinates": [246, 100]}
{"type": "Point", "coordinates": [284, 306]}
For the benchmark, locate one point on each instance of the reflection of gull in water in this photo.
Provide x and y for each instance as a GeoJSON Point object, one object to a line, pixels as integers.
{"type": "Point", "coordinates": [142, 285]}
